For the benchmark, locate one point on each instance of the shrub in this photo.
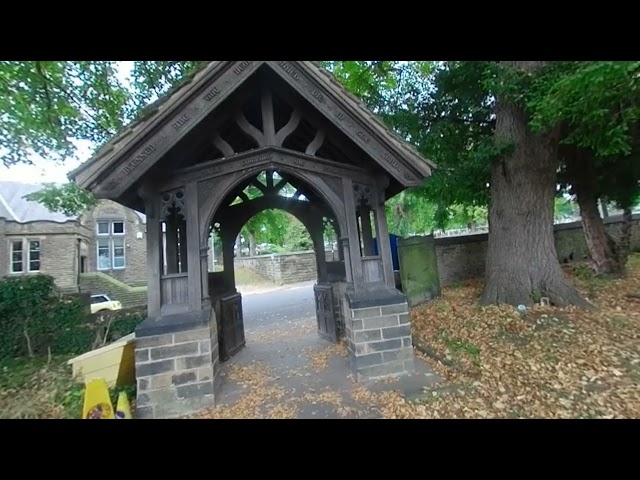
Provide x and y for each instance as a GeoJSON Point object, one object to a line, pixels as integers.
{"type": "Point", "coordinates": [36, 319]}
{"type": "Point", "coordinates": [32, 311]}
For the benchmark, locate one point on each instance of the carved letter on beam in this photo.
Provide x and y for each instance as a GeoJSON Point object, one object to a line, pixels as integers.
{"type": "Point", "coordinates": [316, 143]}
{"type": "Point", "coordinates": [222, 145]}
{"type": "Point", "coordinates": [268, 124]}
{"type": "Point", "coordinates": [250, 130]}
{"type": "Point", "coordinates": [288, 129]}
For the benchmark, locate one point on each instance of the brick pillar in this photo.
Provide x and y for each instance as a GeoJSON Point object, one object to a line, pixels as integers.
{"type": "Point", "coordinates": [176, 365]}
{"type": "Point", "coordinates": [378, 331]}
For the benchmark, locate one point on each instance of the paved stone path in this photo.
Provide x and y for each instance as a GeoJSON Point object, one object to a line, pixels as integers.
{"type": "Point", "coordinates": [288, 371]}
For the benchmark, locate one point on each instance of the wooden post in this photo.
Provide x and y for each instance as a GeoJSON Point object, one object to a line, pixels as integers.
{"type": "Point", "coordinates": [228, 244]}
{"type": "Point", "coordinates": [352, 230]}
{"type": "Point", "coordinates": [171, 236]}
{"type": "Point", "coordinates": [193, 247]}
{"type": "Point", "coordinates": [384, 245]}
{"type": "Point", "coordinates": [367, 236]}
{"type": "Point", "coordinates": [204, 273]}
{"type": "Point", "coordinates": [317, 236]}
{"type": "Point", "coordinates": [184, 244]}
{"type": "Point", "coordinates": [344, 248]}
{"type": "Point", "coordinates": [154, 259]}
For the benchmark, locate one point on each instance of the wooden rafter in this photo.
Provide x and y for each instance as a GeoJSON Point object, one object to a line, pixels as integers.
{"type": "Point", "coordinates": [316, 143]}
{"type": "Point", "coordinates": [250, 130]}
{"type": "Point", "coordinates": [222, 145]}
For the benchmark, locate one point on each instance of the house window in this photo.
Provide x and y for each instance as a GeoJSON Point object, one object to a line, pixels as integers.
{"type": "Point", "coordinates": [16, 256]}
{"type": "Point", "coordinates": [34, 255]}
{"type": "Point", "coordinates": [110, 228]}
{"type": "Point", "coordinates": [110, 245]}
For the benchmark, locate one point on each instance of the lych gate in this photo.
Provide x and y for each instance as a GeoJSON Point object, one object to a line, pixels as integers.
{"type": "Point", "coordinates": [187, 164]}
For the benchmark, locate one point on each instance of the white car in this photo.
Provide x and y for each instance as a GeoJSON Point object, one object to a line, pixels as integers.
{"type": "Point", "coordinates": [101, 303]}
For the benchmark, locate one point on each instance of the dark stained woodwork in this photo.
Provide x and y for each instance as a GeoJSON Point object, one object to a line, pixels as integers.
{"type": "Point", "coordinates": [250, 130]}
{"type": "Point", "coordinates": [367, 235]}
{"type": "Point", "coordinates": [317, 142]}
{"type": "Point", "coordinates": [222, 145]}
{"type": "Point", "coordinates": [175, 291]}
{"type": "Point", "coordinates": [372, 269]}
{"type": "Point", "coordinates": [268, 123]}
{"type": "Point", "coordinates": [171, 246]}
{"type": "Point", "coordinates": [384, 244]}
{"type": "Point", "coordinates": [192, 161]}
{"type": "Point", "coordinates": [269, 158]}
{"type": "Point", "coordinates": [154, 263]}
{"type": "Point", "coordinates": [352, 230]}
{"type": "Point", "coordinates": [280, 185]}
{"type": "Point", "coordinates": [362, 134]}
{"type": "Point", "coordinates": [259, 186]}
{"type": "Point", "coordinates": [325, 312]}
{"type": "Point", "coordinates": [184, 119]}
{"type": "Point", "coordinates": [285, 131]}
{"type": "Point", "coordinates": [230, 325]}
{"type": "Point", "coordinates": [345, 248]}
{"type": "Point", "coordinates": [193, 240]}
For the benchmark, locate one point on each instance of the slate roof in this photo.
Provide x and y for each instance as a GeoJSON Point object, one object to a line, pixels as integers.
{"type": "Point", "coordinates": [14, 207]}
{"type": "Point", "coordinates": [154, 113]}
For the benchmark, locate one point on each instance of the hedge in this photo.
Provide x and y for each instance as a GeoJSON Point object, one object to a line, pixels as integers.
{"type": "Point", "coordinates": [35, 319]}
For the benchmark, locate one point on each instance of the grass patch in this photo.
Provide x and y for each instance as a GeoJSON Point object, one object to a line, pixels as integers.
{"type": "Point", "coordinates": [456, 345]}
{"type": "Point", "coordinates": [244, 276]}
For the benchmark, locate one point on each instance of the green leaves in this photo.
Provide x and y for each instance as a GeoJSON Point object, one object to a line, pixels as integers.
{"type": "Point", "coordinates": [45, 105]}
{"type": "Point", "coordinates": [597, 100]}
{"type": "Point", "coordinates": [68, 199]}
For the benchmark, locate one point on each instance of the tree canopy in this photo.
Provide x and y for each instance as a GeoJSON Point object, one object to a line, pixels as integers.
{"type": "Point", "coordinates": [585, 114]}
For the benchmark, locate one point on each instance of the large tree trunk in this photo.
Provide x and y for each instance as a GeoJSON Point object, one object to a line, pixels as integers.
{"type": "Point", "coordinates": [522, 263]}
{"type": "Point", "coordinates": [582, 177]}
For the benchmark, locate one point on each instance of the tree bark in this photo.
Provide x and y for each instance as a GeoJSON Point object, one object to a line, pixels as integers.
{"type": "Point", "coordinates": [252, 244]}
{"type": "Point", "coordinates": [522, 263]}
{"type": "Point", "coordinates": [581, 174]}
{"type": "Point", "coordinates": [239, 245]}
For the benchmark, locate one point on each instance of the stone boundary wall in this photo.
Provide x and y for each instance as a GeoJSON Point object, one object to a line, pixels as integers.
{"type": "Point", "coordinates": [285, 268]}
{"type": "Point", "coordinates": [463, 257]}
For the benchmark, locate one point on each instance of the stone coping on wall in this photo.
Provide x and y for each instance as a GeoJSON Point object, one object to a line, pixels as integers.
{"type": "Point", "coordinates": [173, 323]}
{"type": "Point", "coordinates": [267, 255]}
{"type": "Point", "coordinates": [483, 236]}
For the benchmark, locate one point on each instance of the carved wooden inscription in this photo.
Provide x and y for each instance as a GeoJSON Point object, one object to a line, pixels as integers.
{"type": "Point", "coordinates": [183, 121]}
{"type": "Point", "coordinates": [245, 162]}
{"type": "Point", "coordinates": [328, 106]}
{"type": "Point", "coordinates": [180, 122]}
{"type": "Point", "coordinates": [270, 158]}
{"type": "Point", "coordinates": [293, 73]}
{"type": "Point", "coordinates": [139, 158]}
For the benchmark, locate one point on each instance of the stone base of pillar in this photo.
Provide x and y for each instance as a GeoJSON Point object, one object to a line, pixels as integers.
{"type": "Point", "coordinates": [378, 332]}
{"type": "Point", "coordinates": [176, 359]}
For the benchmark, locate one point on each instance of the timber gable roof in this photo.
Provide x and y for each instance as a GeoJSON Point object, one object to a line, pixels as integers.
{"type": "Point", "coordinates": [221, 79]}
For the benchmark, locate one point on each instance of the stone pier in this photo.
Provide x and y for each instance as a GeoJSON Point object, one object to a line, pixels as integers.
{"type": "Point", "coordinates": [378, 332]}
{"type": "Point", "coordinates": [176, 366]}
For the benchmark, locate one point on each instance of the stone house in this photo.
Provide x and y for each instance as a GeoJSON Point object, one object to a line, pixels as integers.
{"type": "Point", "coordinates": [105, 245]}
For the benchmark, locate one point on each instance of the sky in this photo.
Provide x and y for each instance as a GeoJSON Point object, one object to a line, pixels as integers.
{"type": "Point", "coordinates": [46, 171]}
